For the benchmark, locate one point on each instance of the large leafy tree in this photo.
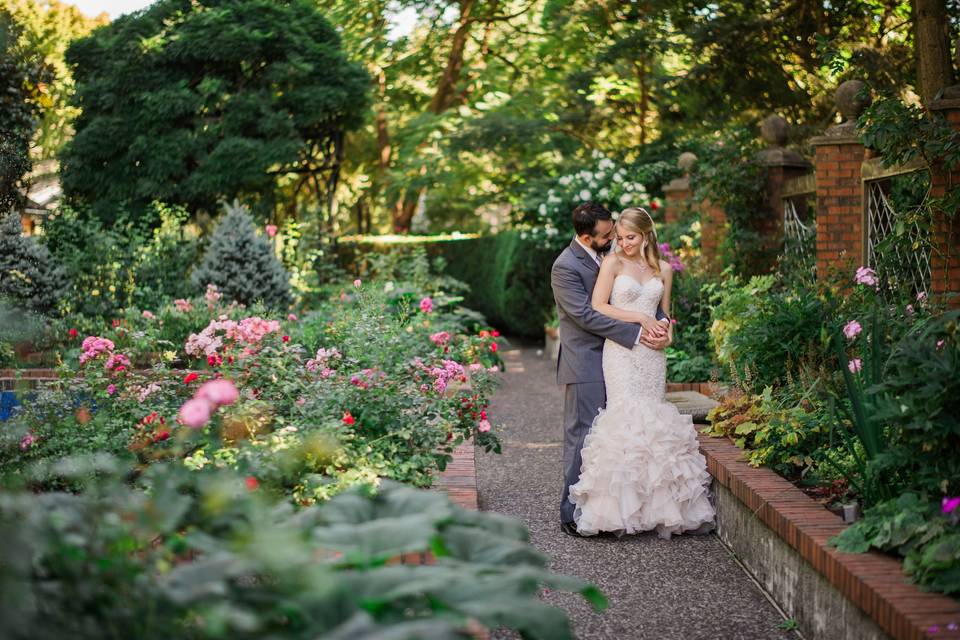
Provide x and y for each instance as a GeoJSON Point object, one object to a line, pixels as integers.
{"type": "Point", "coordinates": [191, 102]}
{"type": "Point", "coordinates": [24, 78]}
{"type": "Point", "coordinates": [47, 28]}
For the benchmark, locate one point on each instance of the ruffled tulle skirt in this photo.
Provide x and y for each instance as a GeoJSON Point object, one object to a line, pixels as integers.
{"type": "Point", "coordinates": [642, 471]}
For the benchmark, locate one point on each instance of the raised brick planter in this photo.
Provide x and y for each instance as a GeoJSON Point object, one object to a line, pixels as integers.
{"type": "Point", "coordinates": [873, 582]}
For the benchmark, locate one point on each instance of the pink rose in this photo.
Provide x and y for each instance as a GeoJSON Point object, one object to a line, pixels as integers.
{"type": "Point", "coordinates": [196, 412]}
{"type": "Point", "coordinates": [426, 305]}
{"type": "Point", "coordinates": [867, 276]}
{"type": "Point", "coordinates": [147, 315]}
{"type": "Point", "coordinates": [27, 441]}
{"type": "Point", "coordinates": [851, 329]}
{"type": "Point", "coordinates": [111, 389]}
{"type": "Point", "coordinates": [271, 230]}
{"type": "Point", "coordinates": [218, 392]}
{"type": "Point", "coordinates": [183, 306]}
{"type": "Point", "coordinates": [921, 296]}
{"type": "Point", "coordinates": [292, 317]}
{"type": "Point", "coordinates": [855, 365]}
{"type": "Point", "coordinates": [484, 426]}
{"type": "Point", "coordinates": [910, 309]}
{"type": "Point", "coordinates": [357, 283]}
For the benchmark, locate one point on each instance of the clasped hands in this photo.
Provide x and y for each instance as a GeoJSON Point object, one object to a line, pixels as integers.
{"type": "Point", "coordinates": [656, 333]}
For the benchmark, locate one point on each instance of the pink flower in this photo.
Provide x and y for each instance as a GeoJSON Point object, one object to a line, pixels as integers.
{"type": "Point", "coordinates": [183, 306]}
{"type": "Point", "coordinates": [212, 295]}
{"type": "Point", "coordinates": [855, 365]}
{"type": "Point", "coordinates": [484, 426]}
{"type": "Point", "coordinates": [271, 230]}
{"type": "Point", "coordinates": [910, 309]}
{"type": "Point", "coordinates": [867, 276]}
{"type": "Point", "coordinates": [357, 283]}
{"type": "Point", "coordinates": [494, 369]}
{"type": "Point", "coordinates": [292, 317]}
{"type": "Point", "coordinates": [851, 329]}
{"type": "Point", "coordinates": [440, 339]}
{"type": "Point", "coordinates": [218, 392]}
{"type": "Point", "coordinates": [196, 412]}
{"type": "Point", "coordinates": [148, 315]}
{"type": "Point", "coordinates": [950, 504]}
{"type": "Point", "coordinates": [426, 305]}
{"type": "Point", "coordinates": [26, 441]}
{"type": "Point", "coordinates": [300, 401]}
{"type": "Point", "coordinates": [111, 389]}
{"type": "Point", "coordinates": [921, 296]}
{"type": "Point", "coordinates": [940, 344]}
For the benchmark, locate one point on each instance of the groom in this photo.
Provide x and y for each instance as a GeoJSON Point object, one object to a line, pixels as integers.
{"type": "Point", "coordinates": [582, 331]}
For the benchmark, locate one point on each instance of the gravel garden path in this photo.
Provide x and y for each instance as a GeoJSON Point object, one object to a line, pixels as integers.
{"type": "Point", "coordinates": [687, 588]}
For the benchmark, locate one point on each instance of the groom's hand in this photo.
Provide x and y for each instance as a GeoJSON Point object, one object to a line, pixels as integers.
{"type": "Point", "coordinates": [654, 341]}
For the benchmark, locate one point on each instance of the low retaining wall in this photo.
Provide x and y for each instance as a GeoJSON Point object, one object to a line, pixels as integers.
{"type": "Point", "coordinates": [780, 534]}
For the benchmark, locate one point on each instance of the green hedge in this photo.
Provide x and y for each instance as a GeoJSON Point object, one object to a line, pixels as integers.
{"type": "Point", "coordinates": [509, 277]}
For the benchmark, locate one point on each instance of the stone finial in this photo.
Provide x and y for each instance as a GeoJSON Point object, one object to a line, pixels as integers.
{"type": "Point", "coordinates": [775, 131]}
{"type": "Point", "coordinates": [852, 98]}
{"type": "Point", "coordinates": [686, 161]}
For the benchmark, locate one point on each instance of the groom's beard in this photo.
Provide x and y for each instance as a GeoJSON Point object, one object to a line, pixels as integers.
{"type": "Point", "coordinates": [601, 249]}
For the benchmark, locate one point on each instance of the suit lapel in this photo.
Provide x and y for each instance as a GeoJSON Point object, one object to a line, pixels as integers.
{"type": "Point", "coordinates": [583, 256]}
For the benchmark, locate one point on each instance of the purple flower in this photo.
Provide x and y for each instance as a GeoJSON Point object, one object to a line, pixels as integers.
{"type": "Point", "coordinates": [111, 389]}
{"type": "Point", "coordinates": [948, 505]}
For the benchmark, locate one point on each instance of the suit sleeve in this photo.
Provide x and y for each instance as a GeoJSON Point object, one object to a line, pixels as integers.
{"type": "Point", "coordinates": [573, 299]}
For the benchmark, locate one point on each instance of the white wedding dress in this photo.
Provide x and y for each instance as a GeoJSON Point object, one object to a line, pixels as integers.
{"type": "Point", "coordinates": [642, 469]}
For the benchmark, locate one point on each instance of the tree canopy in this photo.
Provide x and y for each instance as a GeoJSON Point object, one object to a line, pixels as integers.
{"type": "Point", "coordinates": [192, 102]}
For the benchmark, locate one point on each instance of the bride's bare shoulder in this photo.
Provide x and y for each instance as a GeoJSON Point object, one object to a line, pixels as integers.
{"type": "Point", "coordinates": [611, 262]}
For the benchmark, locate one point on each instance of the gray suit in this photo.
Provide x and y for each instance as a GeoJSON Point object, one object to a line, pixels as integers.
{"type": "Point", "coordinates": [580, 364]}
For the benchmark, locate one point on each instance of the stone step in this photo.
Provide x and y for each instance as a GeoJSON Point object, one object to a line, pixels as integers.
{"type": "Point", "coordinates": [692, 403]}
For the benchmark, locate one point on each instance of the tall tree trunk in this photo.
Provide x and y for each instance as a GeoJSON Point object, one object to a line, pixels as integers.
{"type": "Point", "coordinates": [383, 133]}
{"type": "Point", "coordinates": [442, 97]}
{"type": "Point", "coordinates": [932, 44]}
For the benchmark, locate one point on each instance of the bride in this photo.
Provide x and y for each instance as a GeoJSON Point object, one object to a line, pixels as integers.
{"type": "Point", "coordinates": [641, 469]}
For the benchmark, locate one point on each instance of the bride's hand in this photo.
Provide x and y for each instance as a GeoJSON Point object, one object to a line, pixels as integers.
{"type": "Point", "coordinates": [652, 326]}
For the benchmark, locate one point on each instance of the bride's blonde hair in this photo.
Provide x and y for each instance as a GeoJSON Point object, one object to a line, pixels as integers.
{"type": "Point", "coordinates": [637, 219]}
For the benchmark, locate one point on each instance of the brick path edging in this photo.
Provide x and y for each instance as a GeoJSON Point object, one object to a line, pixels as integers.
{"type": "Point", "coordinates": [872, 581]}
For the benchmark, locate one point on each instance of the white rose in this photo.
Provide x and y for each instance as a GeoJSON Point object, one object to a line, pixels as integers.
{"type": "Point", "coordinates": [599, 175]}
{"type": "Point", "coordinates": [604, 193]}
{"type": "Point", "coordinates": [618, 177]}
{"type": "Point", "coordinates": [584, 195]}
{"type": "Point", "coordinates": [565, 180]}
{"type": "Point", "coordinates": [625, 198]}
{"type": "Point", "coordinates": [542, 209]}
{"type": "Point", "coordinates": [387, 288]}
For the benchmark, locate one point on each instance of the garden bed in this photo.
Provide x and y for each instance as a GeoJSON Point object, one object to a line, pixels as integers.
{"type": "Point", "coordinates": [830, 594]}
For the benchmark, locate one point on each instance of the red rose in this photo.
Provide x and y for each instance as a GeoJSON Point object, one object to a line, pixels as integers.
{"type": "Point", "coordinates": [161, 436]}
{"type": "Point", "coordinates": [654, 206]}
{"type": "Point", "coordinates": [190, 377]}
{"type": "Point", "coordinates": [252, 483]}
{"type": "Point", "coordinates": [348, 419]}
{"type": "Point", "coordinates": [73, 333]}
{"type": "Point", "coordinates": [212, 361]}
{"type": "Point", "coordinates": [285, 338]}
{"type": "Point", "coordinates": [495, 333]}
{"type": "Point", "coordinates": [493, 347]}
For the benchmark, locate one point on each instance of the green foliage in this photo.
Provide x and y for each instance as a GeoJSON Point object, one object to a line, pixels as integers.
{"type": "Point", "coordinates": [193, 103]}
{"type": "Point", "coordinates": [29, 276]}
{"type": "Point", "coordinates": [242, 264]}
{"type": "Point", "coordinates": [207, 554]}
{"type": "Point", "coordinates": [918, 400]}
{"type": "Point", "coordinates": [737, 301]}
{"type": "Point", "coordinates": [729, 176]}
{"type": "Point", "coordinates": [911, 526]}
{"type": "Point", "coordinates": [23, 78]}
{"type": "Point", "coordinates": [121, 265]}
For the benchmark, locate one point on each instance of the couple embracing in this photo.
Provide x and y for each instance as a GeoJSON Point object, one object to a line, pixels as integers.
{"type": "Point", "coordinates": [630, 460]}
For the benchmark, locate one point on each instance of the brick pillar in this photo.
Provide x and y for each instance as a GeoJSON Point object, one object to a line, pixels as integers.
{"type": "Point", "coordinates": [781, 164]}
{"type": "Point", "coordinates": [838, 163]}
{"type": "Point", "coordinates": [945, 261]}
{"type": "Point", "coordinates": [677, 196]}
{"type": "Point", "coordinates": [713, 223]}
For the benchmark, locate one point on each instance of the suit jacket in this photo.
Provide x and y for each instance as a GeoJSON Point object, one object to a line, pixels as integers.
{"type": "Point", "coordinates": [583, 329]}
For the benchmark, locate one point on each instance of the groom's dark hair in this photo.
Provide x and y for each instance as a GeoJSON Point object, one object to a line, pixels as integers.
{"type": "Point", "coordinates": [586, 215]}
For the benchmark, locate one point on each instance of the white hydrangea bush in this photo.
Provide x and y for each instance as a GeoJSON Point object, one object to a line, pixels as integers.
{"type": "Point", "coordinates": [614, 185]}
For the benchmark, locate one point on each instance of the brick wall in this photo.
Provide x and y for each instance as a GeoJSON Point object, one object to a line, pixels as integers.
{"type": "Point", "coordinates": [713, 223]}
{"type": "Point", "coordinates": [840, 232]}
{"type": "Point", "coordinates": [945, 262]}
{"type": "Point", "coordinates": [676, 200]}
